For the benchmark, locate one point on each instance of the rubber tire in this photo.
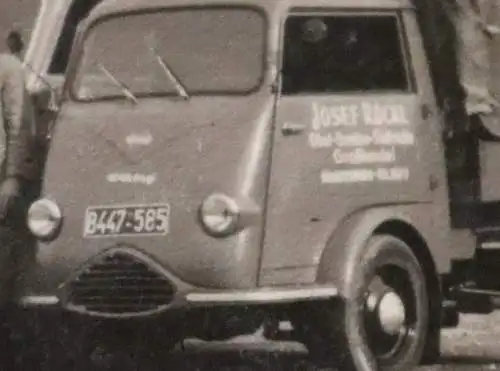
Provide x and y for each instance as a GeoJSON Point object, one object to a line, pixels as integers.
{"type": "Point", "coordinates": [335, 333]}
{"type": "Point", "coordinates": [432, 349]}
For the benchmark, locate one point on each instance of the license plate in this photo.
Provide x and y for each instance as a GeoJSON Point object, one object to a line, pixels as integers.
{"type": "Point", "coordinates": [126, 220]}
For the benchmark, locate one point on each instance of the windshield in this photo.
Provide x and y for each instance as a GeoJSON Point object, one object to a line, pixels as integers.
{"type": "Point", "coordinates": [18, 15]}
{"type": "Point", "coordinates": [178, 52]}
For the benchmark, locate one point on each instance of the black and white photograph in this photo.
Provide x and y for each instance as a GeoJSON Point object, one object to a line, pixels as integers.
{"type": "Point", "coordinates": [249, 185]}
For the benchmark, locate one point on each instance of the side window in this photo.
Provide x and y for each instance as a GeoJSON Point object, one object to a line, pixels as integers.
{"type": "Point", "coordinates": [343, 53]}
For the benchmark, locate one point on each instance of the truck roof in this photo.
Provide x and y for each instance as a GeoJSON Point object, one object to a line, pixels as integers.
{"type": "Point", "coordinates": [114, 6]}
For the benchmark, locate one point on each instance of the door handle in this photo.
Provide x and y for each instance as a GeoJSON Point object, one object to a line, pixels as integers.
{"type": "Point", "coordinates": [290, 128]}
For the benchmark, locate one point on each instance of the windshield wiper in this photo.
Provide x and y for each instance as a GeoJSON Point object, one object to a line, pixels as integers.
{"type": "Point", "coordinates": [179, 87]}
{"type": "Point", "coordinates": [124, 89]}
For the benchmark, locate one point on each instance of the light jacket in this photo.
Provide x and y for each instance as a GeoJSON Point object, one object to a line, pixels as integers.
{"type": "Point", "coordinates": [17, 122]}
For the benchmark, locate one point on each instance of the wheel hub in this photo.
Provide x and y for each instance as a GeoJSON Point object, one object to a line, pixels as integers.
{"type": "Point", "coordinates": [391, 313]}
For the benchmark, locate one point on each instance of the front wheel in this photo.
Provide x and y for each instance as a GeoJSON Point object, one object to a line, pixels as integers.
{"type": "Point", "coordinates": [383, 322]}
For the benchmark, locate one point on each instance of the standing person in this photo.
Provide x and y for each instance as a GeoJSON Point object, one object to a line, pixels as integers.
{"type": "Point", "coordinates": [17, 123]}
{"type": "Point", "coordinates": [17, 171]}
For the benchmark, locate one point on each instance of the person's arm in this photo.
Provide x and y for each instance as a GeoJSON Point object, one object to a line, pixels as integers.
{"type": "Point", "coordinates": [17, 120]}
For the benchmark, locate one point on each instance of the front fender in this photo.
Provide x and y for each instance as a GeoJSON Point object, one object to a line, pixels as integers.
{"type": "Point", "coordinates": [342, 253]}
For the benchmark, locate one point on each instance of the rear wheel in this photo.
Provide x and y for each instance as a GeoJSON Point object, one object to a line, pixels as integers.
{"type": "Point", "coordinates": [383, 322]}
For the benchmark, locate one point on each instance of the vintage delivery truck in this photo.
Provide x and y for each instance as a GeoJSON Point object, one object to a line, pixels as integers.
{"type": "Point", "coordinates": [213, 164]}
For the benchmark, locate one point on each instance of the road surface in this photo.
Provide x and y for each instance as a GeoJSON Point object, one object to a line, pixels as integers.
{"type": "Point", "coordinates": [473, 346]}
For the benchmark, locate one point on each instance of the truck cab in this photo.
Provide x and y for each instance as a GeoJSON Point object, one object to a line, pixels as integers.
{"type": "Point", "coordinates": [216, 163]}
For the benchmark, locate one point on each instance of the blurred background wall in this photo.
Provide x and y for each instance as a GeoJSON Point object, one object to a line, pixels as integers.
{"type": "Point", "coordinates": [19, 14]}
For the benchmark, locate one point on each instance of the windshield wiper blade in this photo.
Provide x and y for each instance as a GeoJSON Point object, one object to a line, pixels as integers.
{"type": "Point", "coordinates": [179, 87]}
{"type": "Point", "coordinates": [124, 89]}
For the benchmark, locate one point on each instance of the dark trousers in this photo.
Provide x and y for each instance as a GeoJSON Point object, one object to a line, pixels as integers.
{"type": "Point", "coordinates": [17, 255]}
{"type": "Point", "coordinates": [17, 246]}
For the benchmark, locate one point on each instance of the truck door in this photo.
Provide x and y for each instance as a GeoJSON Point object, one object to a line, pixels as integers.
{"type": "Point", "coordinates": [349, 133]}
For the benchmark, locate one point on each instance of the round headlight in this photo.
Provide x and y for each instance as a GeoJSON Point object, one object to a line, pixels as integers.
{"type": "Point", "coordinates": [219, 215]}
{"type": "Point", "coordinates": [44, 218]}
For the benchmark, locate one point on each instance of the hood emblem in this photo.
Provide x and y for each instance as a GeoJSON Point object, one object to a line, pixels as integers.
{"type": "Point", "coordinates": [139, 139]}
{"type": "Point", "coordinates": [132, 178]}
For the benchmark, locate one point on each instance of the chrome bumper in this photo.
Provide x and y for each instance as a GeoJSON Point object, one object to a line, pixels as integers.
{"type": "Point", "coordinates": [260, 296]}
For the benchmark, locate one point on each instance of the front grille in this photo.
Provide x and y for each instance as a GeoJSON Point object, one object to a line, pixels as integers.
{"type": "Point", "coordinates": [119, 283]}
